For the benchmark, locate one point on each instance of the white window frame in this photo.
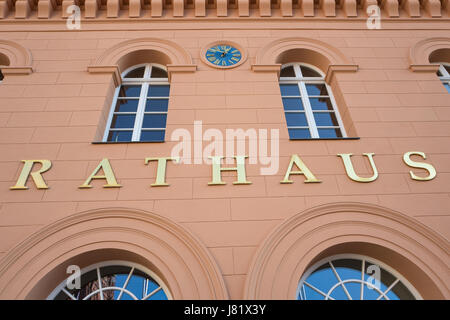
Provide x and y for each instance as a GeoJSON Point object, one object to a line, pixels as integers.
{"type": "Point", "coordinates": [445, 78]}
{"type": "Point", "coordinates": [144, 82]}
{"type": "Point", "coordinates": [97, 266]}
{"type": "Point", "coordinates": [301, 82]}
{"type": "Point", "coordinates": [363, 258]}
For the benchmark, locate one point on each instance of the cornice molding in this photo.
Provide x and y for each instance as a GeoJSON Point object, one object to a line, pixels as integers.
{"type": "Point", "coordinates": [267, 68]}
{"type": "Point", "coordinates": [329, 9]}
{"type": "Point", "coordinates": [424, 68]}
{"type": "Point", "coordinates": [113, 70]}
{"type": "Point", "coordinates": [22, 70]}
{"type": "Point", "coordinates": [332, 69]}
{"type": "Point", "coordinates": [180, 68]}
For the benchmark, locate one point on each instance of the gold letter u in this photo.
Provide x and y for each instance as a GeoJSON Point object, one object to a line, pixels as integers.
{"type": "Point", "coordinates": [351, 171]}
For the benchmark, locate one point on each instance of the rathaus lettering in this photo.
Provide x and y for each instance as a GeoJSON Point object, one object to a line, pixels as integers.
{"type": "Point", "coordinates": [216, 164]}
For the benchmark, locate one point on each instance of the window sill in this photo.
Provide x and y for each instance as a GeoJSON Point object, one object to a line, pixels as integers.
{"type": "Point", "coordinates": [313, 139]}
{"type": "Point", "coordinates": [300, 139]}
{"type": "Point", "coordinates": [122, 142]}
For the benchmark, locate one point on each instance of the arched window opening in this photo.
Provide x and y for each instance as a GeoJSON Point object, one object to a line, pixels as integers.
{"type": "Point", "coordinates": [444, 74]}
{"type": "Point", "coordinates": [140, 105]}
{"type": "Point", "coordinates": [354, 277]}
{"type": "Point", "coordinates": [113, 280]}
{"type": "Point", "coordinates": [308, 102]}
{"type": "Point", "coordinates": [4, 61]}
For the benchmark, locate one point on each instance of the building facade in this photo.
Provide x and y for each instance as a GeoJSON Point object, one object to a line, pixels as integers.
{"type": "Point", "coordinates": [224, 149]}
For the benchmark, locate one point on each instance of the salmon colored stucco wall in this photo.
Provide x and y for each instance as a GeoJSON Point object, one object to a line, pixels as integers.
{"type": "Point", "coordinates": [57, 111]}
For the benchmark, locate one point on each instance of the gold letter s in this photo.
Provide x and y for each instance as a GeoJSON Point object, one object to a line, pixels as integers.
{"type": "Point", "coordinates": [413, 164]}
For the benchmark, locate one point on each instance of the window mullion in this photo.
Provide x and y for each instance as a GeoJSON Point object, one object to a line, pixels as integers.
{"type": "Point", "coordinates": [140, 112]}
{"type": "Point", "coordinates": [148, 71]}
{"type": "Point", "coordinates": [308, 110]}
{"type": "Point", "coordinates": [111, 114]}
{"type": "Point", "coordinates": [297, 70]}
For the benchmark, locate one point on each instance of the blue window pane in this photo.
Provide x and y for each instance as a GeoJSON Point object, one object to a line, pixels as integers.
{"type": "Point", "coordinates": [349, 272]}
{"type": "Point", "coordinates": [289, 90]}
{"type": "Point", "coordinates": [323, 278]}
{"type": "Point", "coordinates": [126, 105]}
{"type": "Point", "coordinates": [120, 136]}
{"type": "Point", "coordinates": [447, 86]}
{"type": "Point", "coordinates": [160, 295]}
{"type": "Point", "coordinates": [348, 268]}
{"type": "Point", "coordinates": [370, 293]}
{"type": "Point", "coordinates": [338, 293]}
{"type": "Point", "coordinates": [354, 290]}
{"type": "Point", "coordinates": [153, 136]}
{"type": "Point", "coordinates": [120, 280]}
{"type": "Point", "coordinates": [312, 294]}
{"type": "Point", "coordinates": [330, 133]}
{"type": "Point", "coordinates": [292, 104]}
{"type": "Point", "coordinates": [296, 119]}
{"type": "Point", "coordinates": [318, 89]}
{"type": "Point", "coordinates": [325, 119]}
{"type": "Point", "coordinates": [154, 121]}
{"type": "Point", "coordinates": [156, 105]}
{"type": "Point", "coordinates": [158, 91]}
{"type": "Point", "coordinates": [151, 287]}
{"type": "Point", "coordinates": [392, 296]}
{"type": "Point", "coordinates": [136, 286]}
{"type": "Point", "coordinates": [123, 121]}
{"type": "Point", "coordinates": [125, 296]}
{"type": "Point", "coordinates": [299, 134]}
{"type": "Point", "coordinates": [130, 91]}
{"type": "Point", "coordinates": [321, 104]}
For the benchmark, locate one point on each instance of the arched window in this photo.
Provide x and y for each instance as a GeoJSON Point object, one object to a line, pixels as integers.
{"type": "Point", "coordinates": [139, 109]}
{"type": "Point", "coordinates": [444, 74]}
{"type": "Point", "coordinates": [308, 102]}
{"type": "Point", "coordinates": [113, 280]}
{"type": "Point", "coordinates": [354, 277]}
